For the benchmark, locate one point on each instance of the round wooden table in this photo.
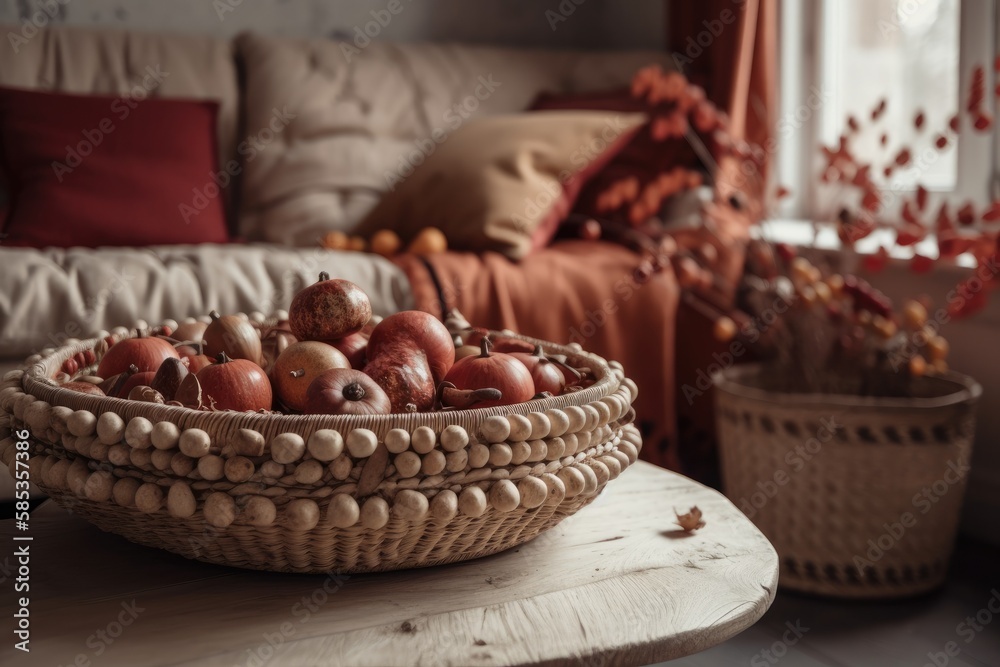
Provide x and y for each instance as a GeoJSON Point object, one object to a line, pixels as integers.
{"type": "Point", "coordinates": [617, 584]}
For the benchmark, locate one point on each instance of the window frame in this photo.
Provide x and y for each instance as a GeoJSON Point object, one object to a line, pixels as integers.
{"type": "Point", "coordinates": [803, 45]}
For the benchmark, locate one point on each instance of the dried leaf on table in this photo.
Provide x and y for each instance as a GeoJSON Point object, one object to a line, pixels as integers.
{"type": "Point", "coordinates": [691, 521]}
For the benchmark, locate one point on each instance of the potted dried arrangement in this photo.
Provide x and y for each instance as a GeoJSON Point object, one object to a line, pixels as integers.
{"type": "Point", "coordinates": [849, 444]}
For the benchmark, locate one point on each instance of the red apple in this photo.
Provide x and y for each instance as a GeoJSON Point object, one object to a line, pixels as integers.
{"type": "Point", "coordinates": [493, 371]}
{"type": "Point", "coordinates": [194, 358]}
{"type": "Point", "coordinates": [545, 373]}
{"type": "Point", "coordinates": [298, 365]}
{"type": "Point", "coordinates": [354, 347]}
{"type": "Point", "coordinates": [185, 351]}
{"type": "Point", "coordinates": [144, 352]}
{"type": "Point", "coordinates": [235, 384]}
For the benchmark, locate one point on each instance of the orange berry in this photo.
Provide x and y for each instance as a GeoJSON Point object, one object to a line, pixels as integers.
{"type": "Point", "coordinates": [724, 329]}
{"type": "Point", "coordinates": [430, 240]}
{"type": "Point", "coordinates": [336, 240]}
{"type": "Point", "coordinates": [914, 314]}
{"type": "Point", "coordinates": [937, 349]}
{"type": "Point", "coordinates": [386, 242]}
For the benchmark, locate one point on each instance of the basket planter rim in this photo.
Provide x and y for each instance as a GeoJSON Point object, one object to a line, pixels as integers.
{"type": "Point", "coordinates": [733, 380]}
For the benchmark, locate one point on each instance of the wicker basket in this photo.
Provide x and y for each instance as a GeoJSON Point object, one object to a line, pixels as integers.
{"type": "Point", "coordinates": [321, 493]}
{"type": "Point", "coordinates": [860, 496]}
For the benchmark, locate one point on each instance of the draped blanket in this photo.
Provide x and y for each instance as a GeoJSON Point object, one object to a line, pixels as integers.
{"type": "Point", "coordinates": [587, 292]}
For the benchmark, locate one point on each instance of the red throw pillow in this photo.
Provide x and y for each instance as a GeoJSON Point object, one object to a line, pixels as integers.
{"type": "Point", "coordinates": [643, 168]}
{"type": "Point", "coordinates": [89, 170]}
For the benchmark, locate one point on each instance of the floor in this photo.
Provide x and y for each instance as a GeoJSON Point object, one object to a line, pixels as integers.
{"type": "Point", "coordinates": [805, 631]}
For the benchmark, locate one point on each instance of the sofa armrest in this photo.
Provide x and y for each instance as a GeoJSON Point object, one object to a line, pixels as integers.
{"type": "Point", "coordinates": [54, 294]}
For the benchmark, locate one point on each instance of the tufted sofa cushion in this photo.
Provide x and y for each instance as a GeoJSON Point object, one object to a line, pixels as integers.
{"type": "Point", "coordinates": [55, 294]}
{"type": "Point", "coordinates": [112, 62]}
{"type": "Point", "coordinates": [354, 122]}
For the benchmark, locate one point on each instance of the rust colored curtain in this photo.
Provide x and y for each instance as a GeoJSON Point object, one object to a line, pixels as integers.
{"type": "Point", "coordinates": [729, 47]}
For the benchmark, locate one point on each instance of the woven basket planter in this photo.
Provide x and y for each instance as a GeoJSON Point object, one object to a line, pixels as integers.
{"type": "Point", "coordinates": [320, 493]}
{"type": "Point", "coordinates": [860, 496]}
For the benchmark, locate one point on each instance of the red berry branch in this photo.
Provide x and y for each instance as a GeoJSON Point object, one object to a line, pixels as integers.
{"type": "Point", "coordinates": [969, 229]}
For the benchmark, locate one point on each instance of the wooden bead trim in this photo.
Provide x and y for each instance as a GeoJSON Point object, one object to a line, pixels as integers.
{"type": "Point", "coordinates": [278, 473]}
{"type": "Point", "coordinates": [523, 486]}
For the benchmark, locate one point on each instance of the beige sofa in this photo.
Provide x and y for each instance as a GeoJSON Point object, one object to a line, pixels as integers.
{"type": "Point", "coordinates": [348, 122]}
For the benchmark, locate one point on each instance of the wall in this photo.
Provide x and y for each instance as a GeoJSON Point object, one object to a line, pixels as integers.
{"type": "Point", "coordinates": [592, 24]}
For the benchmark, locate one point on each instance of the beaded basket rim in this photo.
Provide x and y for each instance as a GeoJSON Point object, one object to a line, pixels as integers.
{"type": "Point", "coordinates": [737, 380]}
{"type": "Point", "coordinates": [36, 381]}
{"type": "Point", "coordinates": [302, 502]}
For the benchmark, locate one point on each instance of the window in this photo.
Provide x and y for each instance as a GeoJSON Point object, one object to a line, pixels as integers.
{"type": "Point", "coordinates": [841, 58]}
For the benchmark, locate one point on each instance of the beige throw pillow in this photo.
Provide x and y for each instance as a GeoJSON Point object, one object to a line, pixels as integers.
{"type": "Point", "coordinates": [503, 183]}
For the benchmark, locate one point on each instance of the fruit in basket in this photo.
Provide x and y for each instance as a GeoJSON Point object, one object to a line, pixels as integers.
{"type": "Point", "coordinates": [329, 309]}
{"type": "Point", "coordinates": [233, 335]}
{"type": "Point", "coordinates": [70, 366]}
{"type": "Point", "coordinates": [190, 331]}
{"type": "Point", "coordinates": [145, 352]}
{"type": "Point", "coordinates": [78, 362]}
{"type": "Point", "coordinates": [146, 395]}
{"type": "Point", "coordinates": [408, 354]}
{"type": "Point", "coordinates": [298, 365]}
{"type": "Point", "coordinates": [189, 392]}
{"type": "Point", "coordinates": [134, 380]}
{"type": "Point", "coordinates": [83, 388]}
{"type": "Point", "coordinates": [112, 384]}
{"type": "Point", "coordinates": [193, 356]}
{"type": "Point", "coordinates": [414, 331]}
{"type": "Point", "coordinates": [273, 342]}
{"type": "Point", "coordinates": [545, 373]}
{"type": "Point", "coordinates": [354, 347]}
{"type": "Point", "coordinates": [344, 391]}
{"type": "Point", "coordinates": [450, 396]}
{"type": "Point", "coordinates": [493, 369]}
{"type": "Point", "coordinates": [474, 336]}
{"type": "Point", "coordinates": [198, 361]}
{"type": "Point", "coordinates": [234, 384]}
{"type": "Point", "coordinates": [168, 377]}
{"type": "Point", "coordinates": [463, 351]}
{"type": "Point", "coordinates": [407, 383]}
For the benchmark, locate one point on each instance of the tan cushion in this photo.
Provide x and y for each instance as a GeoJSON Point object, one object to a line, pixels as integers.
{"type": "Point", "coordinates": [361, 118]}
{"type": "Point", "coordinates": [503, 183]}
{"type": "Point", "coordinates": [112, 62]}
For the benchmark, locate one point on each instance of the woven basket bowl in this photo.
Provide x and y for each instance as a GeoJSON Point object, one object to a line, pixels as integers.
{"type": "Point", "coordinates": [837, 482]}
{"type": "Point", "coordinates": [320, 493]}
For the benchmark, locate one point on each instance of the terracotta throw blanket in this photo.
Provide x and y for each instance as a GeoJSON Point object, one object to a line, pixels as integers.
{"type": "Point", "coordinates": [573, 291]}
